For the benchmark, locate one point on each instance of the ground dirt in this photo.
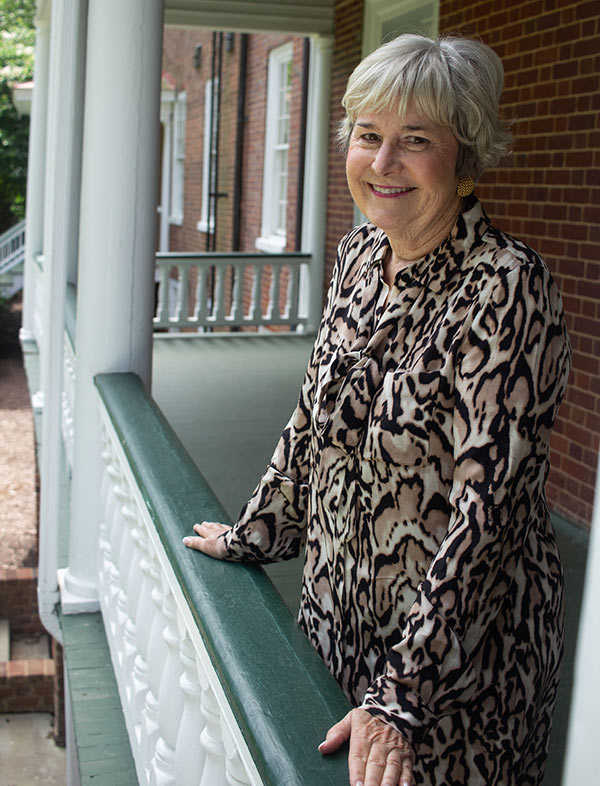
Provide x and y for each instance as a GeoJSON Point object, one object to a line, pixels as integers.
{"type": "Point", "coordinates": [18, 485]}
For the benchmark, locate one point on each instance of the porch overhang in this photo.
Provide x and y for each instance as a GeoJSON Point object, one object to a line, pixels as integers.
{"type": "Point", "coordinates": [311, 17]}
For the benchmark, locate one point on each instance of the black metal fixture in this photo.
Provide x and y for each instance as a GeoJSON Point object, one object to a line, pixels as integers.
{"type": "Point", "coordinates": [229, 41]}
{"type": "Point", "coordinates": [198, 56]}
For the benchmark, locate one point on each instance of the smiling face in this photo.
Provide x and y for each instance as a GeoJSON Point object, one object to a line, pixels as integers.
{"type": "Point", "coordinates": [402, 175]}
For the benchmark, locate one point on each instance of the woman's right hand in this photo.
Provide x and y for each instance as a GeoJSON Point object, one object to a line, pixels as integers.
{"type": "Point", "coordinates": [208, 539]}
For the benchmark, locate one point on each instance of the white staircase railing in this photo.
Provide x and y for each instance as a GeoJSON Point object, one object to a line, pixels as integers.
{"type": "Point", "coordinates": [12, 255]}
{"type": "Point", "coordinates": [201, 291]}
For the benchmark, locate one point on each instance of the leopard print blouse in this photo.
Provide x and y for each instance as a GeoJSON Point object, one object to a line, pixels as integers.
{"type": "Point", "coordinates": [412, 472]}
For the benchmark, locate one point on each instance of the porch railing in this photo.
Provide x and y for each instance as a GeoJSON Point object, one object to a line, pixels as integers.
{"type": "Point", "coordinates": [217, 682]}
{"type": "Point", "coordinates": [12, 255]}
{"type": "Point", "coordinates": [236, 289]}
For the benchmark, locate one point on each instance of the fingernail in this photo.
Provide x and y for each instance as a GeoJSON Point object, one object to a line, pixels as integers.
{"type": "Point", "coordinates": [186, 541]}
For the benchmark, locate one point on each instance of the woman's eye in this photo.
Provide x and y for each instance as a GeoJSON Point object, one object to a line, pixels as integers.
{"type": "Point", "coordinates": [370, 137]}
{"type": "Point", "coordinates": [416, 141]}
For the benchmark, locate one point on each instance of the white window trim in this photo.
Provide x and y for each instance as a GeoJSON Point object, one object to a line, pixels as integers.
{"type": "Point", "coordinates": [178, 159]}
{"type": "Point", "coordinates": [378, 12]}
{"type": "Point", "coordinates": [203, 225]}
{"type": "Point", "coordinates": [269, 240]}
{"type": "Point", "coordinates": [167, 99]}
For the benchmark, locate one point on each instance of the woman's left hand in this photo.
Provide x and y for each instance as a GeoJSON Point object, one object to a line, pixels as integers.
{"type": "Point", "coordinates": [208, 539]}
{"type": "Point", "coordinates": [379, 755]}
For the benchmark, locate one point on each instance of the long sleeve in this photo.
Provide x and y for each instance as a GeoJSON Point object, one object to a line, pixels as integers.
{"type": "Point", "coordinates": [511, 370]}
{"type": "Point", "coordinates": [272, 524]}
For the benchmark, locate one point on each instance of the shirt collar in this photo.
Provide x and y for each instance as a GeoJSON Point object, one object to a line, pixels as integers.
{"type": "Point", "coordinates": [435, 270]}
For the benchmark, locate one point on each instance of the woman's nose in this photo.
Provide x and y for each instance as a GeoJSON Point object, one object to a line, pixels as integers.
{"type": "Point", "coordinates": [387, 160]}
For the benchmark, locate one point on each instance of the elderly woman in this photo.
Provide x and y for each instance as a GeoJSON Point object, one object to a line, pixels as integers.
{"type": "Point", "coordinates": [412, 471]}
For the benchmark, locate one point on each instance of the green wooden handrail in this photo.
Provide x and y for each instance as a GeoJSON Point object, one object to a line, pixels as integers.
{"type": "Point", "coordinates": [282, 695]}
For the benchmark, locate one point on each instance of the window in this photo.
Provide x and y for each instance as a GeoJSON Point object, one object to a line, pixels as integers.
{"type": "Point", "coordinates": [277, 143]}
{"type": "Point", "coordinates": [386, 19]}
{"type": "Point", "coordinates": [178, 166]}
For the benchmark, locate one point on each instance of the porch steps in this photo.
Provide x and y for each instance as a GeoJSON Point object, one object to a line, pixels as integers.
{"type": "Point", "coordinates": [11, 282]}
{"type": "Point", "coordinates": [101, 740]}
{"type": "Point", "coordinates": [22, 647]}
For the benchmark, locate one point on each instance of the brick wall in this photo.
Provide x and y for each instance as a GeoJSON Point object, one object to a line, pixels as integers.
{"type": "Point", "coordinates": [18, 601]}
{"type": "Point", "coordinates": [550, 194]}
{"type": "Point", "coordinates": [25, 685]}
{"type": "Point", "coordinates": [346, 55]}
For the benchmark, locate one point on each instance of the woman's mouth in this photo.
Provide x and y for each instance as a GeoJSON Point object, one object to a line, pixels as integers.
{"type": "Point", "coordinates": [389, 191]}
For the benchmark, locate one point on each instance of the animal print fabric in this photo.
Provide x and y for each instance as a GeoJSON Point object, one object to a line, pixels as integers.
{"type": "Point", "coordinates": [412, 472]}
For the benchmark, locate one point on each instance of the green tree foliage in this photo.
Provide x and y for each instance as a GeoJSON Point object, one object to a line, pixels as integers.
{"type": "Point", "coordinates": [17, 41]}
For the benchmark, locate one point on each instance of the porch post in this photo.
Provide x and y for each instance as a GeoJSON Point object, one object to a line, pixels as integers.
{"type": "Point", "coordinates": [582, 756]}
{"type": "Point", "coordinates": [117, 243]}
{"type": "Point", "coordinates": [315, 187]}
{"type": "Point", "coordinates": [61, 222]}
{"type": "Point", "coordinates": [36, 165]}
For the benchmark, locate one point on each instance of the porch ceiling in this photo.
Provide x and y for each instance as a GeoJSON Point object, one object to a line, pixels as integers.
{"type": "Point", "coordinates": [286, 16]}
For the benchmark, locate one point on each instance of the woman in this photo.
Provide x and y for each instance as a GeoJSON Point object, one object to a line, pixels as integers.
{"type": "Point", "coordinates": [413, 468]}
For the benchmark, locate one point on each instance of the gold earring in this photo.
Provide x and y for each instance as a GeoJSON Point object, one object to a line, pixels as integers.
{"type": "Point", "coordinates": [465, 186]}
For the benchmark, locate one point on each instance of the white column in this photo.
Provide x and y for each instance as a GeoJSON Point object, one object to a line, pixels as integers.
{"type": "Point", "coordinates": [36, 165]}
{"type": "Point", "coordinates": [116, 246]}
{"type": "Point", "coordinates": [582, 761]}
{"type": "Point", "coordinates": [61, 222]}
{"type": "Point", "coordinates": [315, 184]}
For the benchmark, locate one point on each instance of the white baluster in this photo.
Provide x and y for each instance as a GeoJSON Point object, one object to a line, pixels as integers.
{"type": "Point", "coordinates": [135, 581]}
{"type": "Point", "coordinates": [234, 769]}
{"type": "Point", "coordinates": [219, 293]}
{"type": "Point", "coordinates": [200, 308]}
{"type": "Point", "coordinates": [144, 615]}
{"type": "Point", "coordinates": [255, 312]}
{"type": "Point", "coordinates": [184, 306]}
{"type": "Point", "coordinates": [275, 294]}
{"type": "Point", "coordinates": [162, 309]}
{"type": "Point", "coordinates": [213, 773]}
{"type": "Point", "coordinates": [108, 502]}
{"type": "Point", "coordinates": [291, 303]}
{"type": "Point", "coordinates": [110, 478]}
{"type": "Point", "coordinates": [170, 698]}
{"type": "Point", "coordinates": [155, 660]}
{"type": "Point", "coordinates": [189, 753]}
{"type": "Point", "coordinates": [108, 578]}
{"type": "Point", "coordinates": [114, 610]}
{"type": "Point", "coordinates": [123, 561]}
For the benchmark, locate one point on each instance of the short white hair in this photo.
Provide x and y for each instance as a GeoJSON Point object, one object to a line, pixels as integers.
{"type": "Point", "coordinates": [454, 81]}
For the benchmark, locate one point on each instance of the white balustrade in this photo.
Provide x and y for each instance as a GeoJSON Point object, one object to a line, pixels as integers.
{"type": "Point", "coordinates": [234, 290]}
{"type": "Point", "coordinates": [181, 728]}
{"type": "Point", "coordinates": [12, 247]}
